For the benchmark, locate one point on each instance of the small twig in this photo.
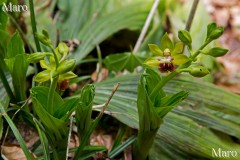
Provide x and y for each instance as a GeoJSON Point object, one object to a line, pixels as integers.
{"type": "Point", "coordinates": [191, 15]}
{"type": "Point", "coordinates": [146, 25]}
{"type": "Point", "coordinates": [69, 135]}
{"type": "Point", "coordinates": [44, 5]}
{"type": "Point", "coordinates": [99, 64]}
{"type": "Point", "coordinates": [109, 99]}
{"type": "Point", "coordinates": [190, 18]}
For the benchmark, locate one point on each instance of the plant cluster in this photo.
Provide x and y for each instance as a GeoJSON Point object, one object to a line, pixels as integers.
{"type": "Point", "coordinates": [52, 116]}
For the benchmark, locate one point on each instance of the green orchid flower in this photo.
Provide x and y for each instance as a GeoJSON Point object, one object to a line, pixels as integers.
{"type": "Point", "coordinates": [167, 57]}
{"type": "Point", "coordinates": [63, 71]}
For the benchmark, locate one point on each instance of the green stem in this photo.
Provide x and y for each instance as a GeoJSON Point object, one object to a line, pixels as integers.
{"type": "Point", "coordinates": [55, 56]}
{"type": "Point", "coordinates": [199, 50]}
{"type": "Point", "coordinates": [162, 83]}
{"type": "Point", "coordinates": [6, 85]}
{"type": "Point", "coordinates": [34, 27]}
{"type": "Point", "coordinates": [51, 94]}
{"type": "Point", "coordinates": [143, 144]}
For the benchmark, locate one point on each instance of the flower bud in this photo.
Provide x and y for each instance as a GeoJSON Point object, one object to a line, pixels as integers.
{"type": "Point", "coordinates": [211, 27]}
{"type": "Point", "coordinates": [185, 37]}
{"type": "Point", "coordinates": [215, 34]}
{"type": "Point", "coordinates": [65, 66]}
{"type": "Point", "coordinates": [44, 38]}
{"type": "Point", "coordinates": [42, 76]}
{"type": "Point", "coordinates": [36, 57]}
{"type": "Point", "coordinates": [198, 71]}
{"type": "Point", "coordinates": [217, 52]}
{"type": "Point", "coordinates": [63, 48]}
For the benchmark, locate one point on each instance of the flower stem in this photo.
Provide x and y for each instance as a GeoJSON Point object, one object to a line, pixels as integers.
{"type": "Point", "coordinates": [55, 56]}
{"type": "Point", "coordinates": [34, 27]}
{"type": "Point", "coordinates": [51, 94]}
{"type": "Point", "coordinates": [199, 50]}
{"type": "Point", "coordinates": [162, 83]}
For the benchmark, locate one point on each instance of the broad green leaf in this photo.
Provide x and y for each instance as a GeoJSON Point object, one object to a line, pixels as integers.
{"type": "Point", "coordinates": [65, 110]}
{"type": "Point", "coordinates": [15, 46]}
{"type": "Point", "coordinates": [186, 125]}
{"type": "Point", "coordinates": [3, 43]}
{"type": "Point", "coordinates": [56, 128]}
{"type": "Point", "coordinates": [10, 63]}
{"type": "Point", "coordinates": [17, 65]}
{"type": "Point", "coordinates": [129, 61]}
{"type": "Point", "coordinates": [116, 62]}
{"type": "Point", "coordinates": [148, 118]}
{"type": "Point", "coordinates": [41, 92]}
{"type": "Point", "coordinates": [131, 16]}
{"type": "Point", "coordinates": [166, 42]}
{"type": "Point", "coordinates": [174, 99]}
{"type": "Point", "coordinates": [155, 49]}
{"type": "Point", "coordinates": [43, 76]}
{"type": "Point", "coordinates": [18, 68]}
{"type": "Point", "coordinates": [171, 101]}
{"type": "Point", "coordinates": [179, 59]}
{"type": "Point", "coordinates": [3, 18]}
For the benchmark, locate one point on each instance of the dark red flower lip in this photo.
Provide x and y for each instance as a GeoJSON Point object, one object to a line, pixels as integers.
{"type": "Point", "coordinates": [166, 67]}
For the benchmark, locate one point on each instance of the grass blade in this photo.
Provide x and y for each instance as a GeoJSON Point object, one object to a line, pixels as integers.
{"type": "Point", "coordinates": [120, 148]}
{"type": "Point", "coordinates": [16, 133]}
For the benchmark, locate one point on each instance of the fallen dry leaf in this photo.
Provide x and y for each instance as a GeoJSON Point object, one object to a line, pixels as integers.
{"type": "Point", "coordinates": [13, 152]}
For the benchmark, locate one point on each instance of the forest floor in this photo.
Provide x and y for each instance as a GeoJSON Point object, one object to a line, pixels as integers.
{"type": "Point", "coordinates": [227, 14]}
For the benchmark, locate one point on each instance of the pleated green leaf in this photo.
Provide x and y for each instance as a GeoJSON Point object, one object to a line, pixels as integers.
{"type": "Point", "coordinates": [129, 61]}
{"type": "Point", "coordinates": [41, 92]}
{"type": "Point", "coordinates": [95, 30]}
{"type": "Point", "coordinates": [188, 129]}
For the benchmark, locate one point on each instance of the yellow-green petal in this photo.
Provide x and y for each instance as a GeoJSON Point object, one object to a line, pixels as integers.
{"type": "Point", "coordinates": [179, 59]}
{"type": "Point", "coordinates": [166, 42]}
{"type": "Point", "coordinates": [44, 64]}
{"type": "Point", "coordinates": [68, 75]}
{"type": "Point", "coordinates": [178, 48]}
{"type": "Point", "coordinates": [43, 76]}
{"type": "Point", "coordinates": [152, 62]}
{"type": "Point", "coordinates": [155, 49]}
